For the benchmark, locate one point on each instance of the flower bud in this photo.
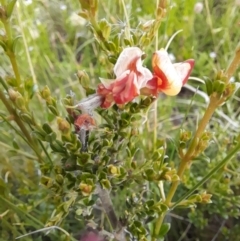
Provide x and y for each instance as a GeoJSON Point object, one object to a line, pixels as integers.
{"type": "Point", "coordinates": [83, 78]}
{"type": "Point", "coordinates": [63, 125]}
{"type": "Point", "coordinates": [105, 27]}
{"type": "Point", "coordinates": [59, 179]}
{"type": "Point", "coordinates": [20, 103]}
{"type": "Point", "coordinates": [13, 95]}
{"type": "Point", "coordinates": [185, 136]}
{"type": "Point", "coordinates": [45, 93]}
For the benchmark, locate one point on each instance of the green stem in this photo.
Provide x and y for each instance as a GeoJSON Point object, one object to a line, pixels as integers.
{"type": "Point", "coordinates": [18, 210]}
{"type": "Point", "coordinates": [182, 167]}
{"type": "Point", "coordinates": [10, 52]}
{"type": "Point", "coordinates": [213, 104]}
{"type": "Point", "coordinates": [158, 226]}
{"type": "Point", "coordinates": [234, 63]}
{"type": "Point", "coordinates": [188, 156]}
{"type": "Point", "coordinates": [18, 11]}
{"type": "Point", "coordinates": [13, 61]}
{"type": "Point", "coordinates": [7, 29]}
{"type": "Point", "coordinates": [155, 105]}
{"type": "Point", "coordinates": [127, 20]}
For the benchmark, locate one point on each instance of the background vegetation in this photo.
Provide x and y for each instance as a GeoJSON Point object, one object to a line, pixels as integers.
{"type": "Point", "coordinates": [56, 43]}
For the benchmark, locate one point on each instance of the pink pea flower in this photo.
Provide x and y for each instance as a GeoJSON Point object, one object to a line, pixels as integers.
{"type": "Point", "coordinates": [131, 76]}
{"type": "Point", "coordinates": [167, 77]}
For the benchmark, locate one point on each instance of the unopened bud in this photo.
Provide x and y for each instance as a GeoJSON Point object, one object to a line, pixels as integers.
{"type": "Point", "coordinates": [105, 27]}
{"type": "Point", "coordinates": [63, 125]}
{"type": "Point", "coordinates": [13, 95]}
{"type": "Point", "coordinates": [59, 179]}
{"type": "Point", "coordinates": [185, 135]}
{"type": "Point", "coordinates": [45, 93]}
{"type": "Point", "coordinates": [20, 103]}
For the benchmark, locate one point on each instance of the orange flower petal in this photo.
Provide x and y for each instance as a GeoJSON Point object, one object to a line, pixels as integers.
{"type": "Point", "coordinates": [170, 77]}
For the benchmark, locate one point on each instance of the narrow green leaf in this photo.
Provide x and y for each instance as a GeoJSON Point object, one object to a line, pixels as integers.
{"type": "Point", "coordinates": [10, 7]}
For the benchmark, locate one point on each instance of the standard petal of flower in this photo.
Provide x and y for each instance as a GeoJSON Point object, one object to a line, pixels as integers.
{"type": "Point", "coordinates": [169, 81]}
{"type": "Point", "coordinates": [125, 89]}
{"type": "Point", "coordinates": [127, 60]}
{"type": "Point", "coordinates": [184, 69]}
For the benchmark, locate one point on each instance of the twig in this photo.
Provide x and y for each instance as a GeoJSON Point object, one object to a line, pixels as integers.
{"type": "Point", "coordinates": [108, 208]}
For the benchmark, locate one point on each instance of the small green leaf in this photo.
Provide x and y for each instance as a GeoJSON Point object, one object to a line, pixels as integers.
{"type": "Point", "coordinates": [10, 7]}
{"type": "Point", "coordinates": [26, 117]}
{"type": "Point", "coordinates": [105, 184]}
{"type": "Point", "coordinates": [105, 26]}
{"type": "Point", "coordinates": [164, 229]}
{"type": "Point", "coordinates": [209, 86]}
{"type": "Point", "coordinates": [3, 44]}
{"type": "Point", "coordinates": [53, 110]}
{"type": "Point", "coordinates": [51, 137]}
{"type": "Point", "coordinates": [111, 46]}
{"type": "Point", "coordinates": [14, 43]}
{"type": "Point", "coordinates": [164, 207]}
{"type": "Point", "coordinates": [46, 127]}
{"type": "Point", "coordinates": [112, 59]}
{"type": "Point", "coordinates": [127, 42]}
{"type": "Point", "coordinates": [15, 145]}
